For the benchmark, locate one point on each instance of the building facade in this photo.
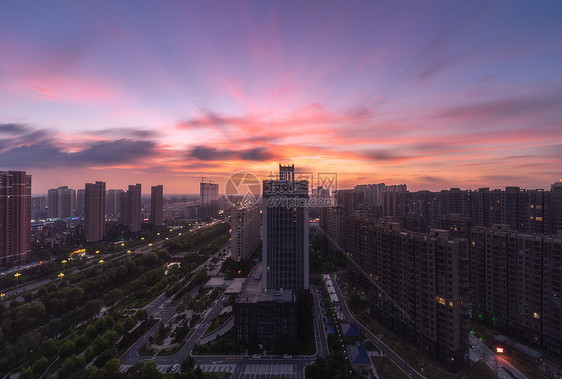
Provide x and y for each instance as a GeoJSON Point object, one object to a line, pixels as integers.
{"type": "Point", "coordinates": [131, 208]}
{"type": "Point", "coordinates": [156, 204]}
{"type": "Point", "coordinates": [61, 202]}
{"type": "Point", "coordinates": [15, 217]}
{"type": "Point", "coordinates": [113, 204]}
{"type": "Point", "coordinates": [264, 316]}
{"type": "Point", "coordinates": [209, 200]}
{"type": "Point", "coordinates": [94, 209]}
{"type": "Point", "coordinates": [418, 284]}
{"type": "Point", "coordinates": [516, 285]}
{"type": "Point", "coordinates": [245, 226]}
{"type": "Point", "coordinates": [285, 232]}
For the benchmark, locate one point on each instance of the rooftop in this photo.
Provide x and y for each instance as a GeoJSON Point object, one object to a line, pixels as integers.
{"type": "Point", "coordinates": [254, 292]}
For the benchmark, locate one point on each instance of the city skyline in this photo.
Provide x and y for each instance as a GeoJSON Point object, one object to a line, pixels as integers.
{"type": "Point", "coordinates": [432, 95]}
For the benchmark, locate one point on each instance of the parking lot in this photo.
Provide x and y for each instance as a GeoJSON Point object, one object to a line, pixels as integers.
{"type": "Point", "coordinates": [254, 371]}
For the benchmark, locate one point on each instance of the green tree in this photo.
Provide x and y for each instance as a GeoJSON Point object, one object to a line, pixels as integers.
{"type": "Point", "coordinates": [100, 344]}
{"type": "Point", "coordinates": [67, 348]}
{"type": "Point", "coordinates": [49, 348]}
{"type": "Point", "coordinates": [150, 371]}
{"type": "Point", "coordinates": [141, 314]}
{"type": "Point", "coordinates": [40, 365]}
{"type": "Point", "coordinates": [26, 373]}
{"type": "Point", "coordinates": [187, 364]}
{"type": "Point", "coordinates": [112, 366]}
{"type": "Point", "coordinates": [67, 368]}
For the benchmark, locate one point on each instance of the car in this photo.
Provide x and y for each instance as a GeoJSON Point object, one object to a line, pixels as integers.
{"type": "Point", "coordinates": [256, 356]}
{"type": "Point", "coordinates": [287, 356]}
{"type": "Point", "coordinates": [175, 368]}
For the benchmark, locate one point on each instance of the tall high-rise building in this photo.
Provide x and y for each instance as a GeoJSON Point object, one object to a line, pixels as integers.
{"type": "Point", "coordinates": [61, 202]}
{"type": "Point", "coordinates": [516, 287]}
{"type": "Point", "coordinates": [245, 229]}
{"type": "Point", "coordinates": [80, 205]}
{"type": "Point", "coordinates": [131, 208]}
{"type": "Point", "coordinates": [418, 284]}
{"type": "Point", "coordinates": [94, 209]}
{"type": "Point", "coordinates": [156, 204]}
{"type": "Point", "coordinates": [285, 232]}
{"type": "Point", "coordinates": [209, 198]}
{"type": "Point", "coordinates": [113, 203]}
{"type": "Point", "coordinates": [15, 217]}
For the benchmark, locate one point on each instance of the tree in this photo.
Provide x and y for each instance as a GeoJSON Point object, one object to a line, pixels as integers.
{"type": "Point", "coordinates": [112, 366]}
{"type": "Point", "coordinates": [67, 348]}
{"type": "Point", "coordinates": [188, 364]}
{"type": "Point", "coordinates": [100, 344]}
{"type": "Point", "coordinates": [49, 347]}
{"type": "Point", "coordinates": [40, 365]}
{"type": "Point", "coordinates": [180, 308]}
{"type": "Point", "coordinates": [141, 314]}
{"type": "Point", "coordinates": [67, 368]}
{"type": "Point", "coordinates": [26, 373]}
{"type": "Point", "coordinates": [150, 371]}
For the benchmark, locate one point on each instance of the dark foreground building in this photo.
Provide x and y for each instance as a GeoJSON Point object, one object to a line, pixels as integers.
{"type": "Point", "coordinates": [265, 316]}
{"type": "Point", "coordinates": [418, 285]}
{"type": "Point", "coordinates": [517, 284]}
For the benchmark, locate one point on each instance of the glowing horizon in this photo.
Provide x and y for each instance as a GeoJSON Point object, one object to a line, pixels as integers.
{"type": "Point", "coordinates": [166, 94]}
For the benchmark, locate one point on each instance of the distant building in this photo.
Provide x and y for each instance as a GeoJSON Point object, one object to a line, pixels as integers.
{"type": "Point", "coordinates": [156, 204]}
{"type": "Point", "coordinates": [113, 204]}
{"type": "Point", "coordinates": [209, 200]}
{"type": "Point", "coordinates": [245, 230]}
{"type": "Point", "coordinates": [15, 217]}
{"type": "Point", "coordinates": [131, 208]}
{"type": "Point", "coordinates": [80, 204]}
{"type": "Point", "coordinates": [285, 232]}
{"type": "Point", "coordinates": [61, 202]}
{"type": "Point", "coordinates": [94, 209]}
{"type": "Point", "coordinates": [39, 207]}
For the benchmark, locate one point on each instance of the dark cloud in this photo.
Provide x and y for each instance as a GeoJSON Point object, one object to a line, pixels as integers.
{"type": "Point", "coordinates": [385, 155]}
{"type": "Point", "coordinates": [204, 153]}
{"type": "Point", "coordinates": [546, 101]}
{"type": "Point", "coordinates": [13, 128]}
{"type": "Point", "coordinates": [211, 120]}
{"type": "Point", "coordinates": [125, 133]}
{"type": "Point", "coordinates": [45, 154]}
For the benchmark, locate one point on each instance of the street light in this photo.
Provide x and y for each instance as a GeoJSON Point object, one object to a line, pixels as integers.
{"type": "Point", "coordinates": [2, 296]}
{"type": "Point", "coordinates": [60, 276]}
{"type": "Point", "coordinates": [17, 275]}
{"type": "Point", "coordinates": [101, 261]}
{"type": "Point", "coordinates": [63, 261]}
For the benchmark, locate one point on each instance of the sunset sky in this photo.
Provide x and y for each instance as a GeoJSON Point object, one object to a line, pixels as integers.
{"type": "Point", "coordinates": [433, 94]}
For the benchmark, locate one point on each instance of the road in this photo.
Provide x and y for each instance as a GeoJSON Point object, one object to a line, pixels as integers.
{"type": "Point", "coordinates": [494, 362]}
{"type": "Point", "coordinates": [398, 361]}
{"type": "Point", "coordinates": [319, 325]}
{"type": "Point", "coordinates": [143, 249]}
{"type": "Point", "coordinates": [240, 366]}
